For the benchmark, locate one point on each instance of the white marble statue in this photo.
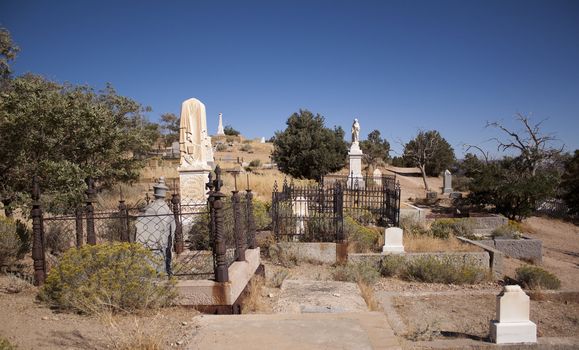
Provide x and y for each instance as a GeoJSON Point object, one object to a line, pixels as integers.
{"type": "Point", "coordinates": [355, 131]}
{"type": "Point", "coordinates": [192, 140]}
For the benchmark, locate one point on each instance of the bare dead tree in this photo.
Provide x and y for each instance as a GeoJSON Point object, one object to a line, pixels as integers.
{"type": "Point", "coordinates": [421, 150]}
{"type": "Point", "coordinates": [484, 153]}
{"type": "Point", "coordinates": [534, 146]}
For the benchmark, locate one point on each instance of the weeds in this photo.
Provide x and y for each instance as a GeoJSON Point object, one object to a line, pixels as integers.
{"type": "Point", "coordinates": [278, 277]}
{"type": "Point", "coordinates": [534, 277]}
{"type": "Point", "coordinates": [360, 273]}
{"type": "Point", "coordinates": [253, 301]}
{"type": "Point", "coordinates": [367, 293]}
{"type": "Point", "coordinates": [433, 270]}
{"type": "Point", "coordinates": [6, 345]}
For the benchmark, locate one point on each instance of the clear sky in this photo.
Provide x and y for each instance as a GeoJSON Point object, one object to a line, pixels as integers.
{"type": "Point", "coordinates": [398, 66]}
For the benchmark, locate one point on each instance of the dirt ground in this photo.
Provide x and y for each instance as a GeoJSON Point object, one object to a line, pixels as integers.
{"type": "Point", "coordinates": [468, 316]}
{"type": "Point", "coordinates": [30, 324]}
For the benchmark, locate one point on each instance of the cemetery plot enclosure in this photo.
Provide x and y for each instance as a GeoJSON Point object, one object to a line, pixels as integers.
{"type": "Point", "coordinates": [316, 213]}
{"type": "Point", "coordinates": [192, 240]}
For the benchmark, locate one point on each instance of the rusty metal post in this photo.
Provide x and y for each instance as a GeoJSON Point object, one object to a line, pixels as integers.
{"type": "Point", "coordinates": [90, 232]}
{"type": "Point", "coordinates": [240, 242]}
{"type": "Point", "coordinates": [38, 236]}
{"type": "Point", "coordinates": [179, 242]}
{"type": "Point", "coordinates": [79, 233]}
{"type": "Point", "coordinates": [251, 242]}
{"type": "Point", "coordinates": [220, 249]}
{"type": "Point", "coordinates": [124, 220]}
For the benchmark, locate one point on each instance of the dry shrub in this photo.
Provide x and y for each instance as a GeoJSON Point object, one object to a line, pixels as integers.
{"type": "Point", "coordinates": [16, 285]}
{"type": "Point", "coordinates": [253, 301]}
{"type": "Point", "coordinates": [392, 265]}
{"type": "Point", "coordinates": [534, 277]}
{"type": "Point", "coordinates": [282, 257]}
{"type": "Point", "coordinates": [361, 273]}
{"type": "Point", "coordinates": [433, 270]}
{"type": "Point", "coordinates": [119, 277]}
{"type": "Point", "coordinates": [9, 242]}
{"type": "Point", "coordinates": [278, 277]}
{"type": "Point", "coordinates": [133, 337]}
{"type": "Point", "coordinates": [6, 345]}
{"type": "Point", "coordinates": [367, 293]}
{"type": "Point", "coordinates": [415, 243]}
{"type": "Point", "coordinates": [361, 239]}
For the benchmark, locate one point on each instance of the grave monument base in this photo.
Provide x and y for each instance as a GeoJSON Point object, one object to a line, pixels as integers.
{"type": "Point", "coordinates": [513, 332]}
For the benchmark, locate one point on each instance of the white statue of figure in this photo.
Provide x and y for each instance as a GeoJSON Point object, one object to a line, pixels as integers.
{"type": "Point", "coordinates": [355, 131]}
{"type": "Point", "coordinates": [191, 138]}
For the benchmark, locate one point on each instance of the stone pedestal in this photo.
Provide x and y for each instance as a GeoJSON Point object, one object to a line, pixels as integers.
{"type": "Point", "coordinates": [192, 181]}
{"type": "Point", "coordinates": [355, 177]}
{"type": "Point", "coordinates": [512, 324]}
{"type": "Point", "coordinates": [393, 240]}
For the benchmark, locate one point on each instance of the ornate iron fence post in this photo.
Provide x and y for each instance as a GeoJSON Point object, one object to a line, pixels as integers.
{"type": "Point", "coordinates": [240, 242]}
{"type": "Point", "coordinates": [220, 250]}
{"type": "Point", "coordinates": [179, 242]}
{"type": "Point", "coordinates": [79, 234]}
{"type": "Point", "coordinates": [251, 242]}
{"type": "Point", "coordinates": [38, 236]}
{"type": "Point", "coordinates": [339, 211]}
{"type": "Point", "coordinates": [90, 232]}
{"type": "Point", "coordinates": [124, 220]}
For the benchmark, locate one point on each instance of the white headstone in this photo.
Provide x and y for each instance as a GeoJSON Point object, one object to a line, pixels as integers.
{"type": "Point", "coordinates": [220, 131]}
{"type": "Point", "coordinates": [377, 175]}
{"type": "Point", "coordinates": [393, 240]}
{"type": "Point", "coordinates": [512, 324]}
{"type": "Point", "coordinates": [300, 212]}
{"type": "Point", "coordinates": [262, 140]}
{"type": "Point", "coordinates": [447, 182]}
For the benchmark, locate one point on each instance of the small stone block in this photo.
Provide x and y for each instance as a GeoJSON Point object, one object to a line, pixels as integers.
{"type": "Point", "coordinates": [513, 332]}
{"type": "Point", "coordinates": [393, 240]}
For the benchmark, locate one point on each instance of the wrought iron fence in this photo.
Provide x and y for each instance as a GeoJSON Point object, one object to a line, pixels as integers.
{"type": "Point", "coordinates": [195, 240]}
{"type": "Point", "coordinates": [316, 213]}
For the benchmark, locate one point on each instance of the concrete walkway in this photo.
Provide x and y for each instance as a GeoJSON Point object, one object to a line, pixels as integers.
{"type": "Point", "coordinates": [355, 331]}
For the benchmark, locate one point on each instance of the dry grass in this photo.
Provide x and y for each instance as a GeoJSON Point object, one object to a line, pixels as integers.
{"type": "Point", "coordinates": [109, 199]}
{"type": "Point", "coordinates": [132, 337]}
{"type": "Point", "coordinates": [253, 302]}
{"type": "Point", "coordinates": [368, 294]}
{"type": "Point", "coordinates": [423, 243]}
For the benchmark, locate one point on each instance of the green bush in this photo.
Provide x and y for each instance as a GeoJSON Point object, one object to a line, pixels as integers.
{"type": "Point", "coordinates": [361, 272]}
{"type": "Point", "coordinates": [363, 239]}
{"type": "Point", "coordinates": [392, 265]}
{"type": "Point", "coordinates": [534, 277]}
{"type": "Point", "coordinates": [507, 232]}
{"type": "Point", "coordinates": [433, 270]}
{"type": "Point", "coordinates": [119, 277]}
{"type": "Point", "coordinates": [261, 214]}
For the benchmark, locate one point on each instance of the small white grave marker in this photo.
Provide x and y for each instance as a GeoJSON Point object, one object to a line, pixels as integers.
{"type": "Point", "coordinates": [512, 324]}
{"type": "Point", "coordinates": [393, 240]}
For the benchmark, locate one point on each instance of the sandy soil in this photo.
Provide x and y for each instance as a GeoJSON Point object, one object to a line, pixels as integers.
{"type": "Point", "coordinates": [29, 324]}
{"type": "Point", "coordinates": [560, 248]}
{"type": "Point", "coordinates": [469, 316]}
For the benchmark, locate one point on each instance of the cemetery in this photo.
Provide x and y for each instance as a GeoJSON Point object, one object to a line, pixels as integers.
{"type": "Point", "coordinates": [118, 232]}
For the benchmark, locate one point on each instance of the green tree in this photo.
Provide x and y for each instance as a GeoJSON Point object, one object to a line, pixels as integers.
{"type": "Point", "coordinates": [430, 152]}
{"type": "Point", "coordinates": [512, 191]}
{"type": "Point", "coordinates": [65, 133]}
{"type": "Point", "coordinates": [170, 126]}
{"type": "Point", "coordinates": [230, 131]}
{"type": "Point", "coordinates": [307, 149]}
{"type": "Point", "coordinates": [376, 149]}
{"type": "Point", "coordinates": [570, 183]}
{"type": "Point", "coordinates": [8, 51]}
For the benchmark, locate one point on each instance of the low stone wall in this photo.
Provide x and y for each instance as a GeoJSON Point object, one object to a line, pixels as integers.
{"type": "Point", "coordinates": [318, 252]}
{"type": "Point", "coordinates": [478, 259]}
{"type": "Point", "coordinates": [211, 293]}
{"type": "Point", "coordinates": [496, 257]}
{"type": "Point", "coordinates": [525, 248]}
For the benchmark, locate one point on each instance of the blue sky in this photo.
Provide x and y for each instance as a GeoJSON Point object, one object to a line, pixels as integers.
{"type": "Point", "coordinates": [398, 66]}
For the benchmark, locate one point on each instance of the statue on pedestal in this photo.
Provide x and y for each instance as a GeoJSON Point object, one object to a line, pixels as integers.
{"type": "Point", "coordinates": [355, 131]}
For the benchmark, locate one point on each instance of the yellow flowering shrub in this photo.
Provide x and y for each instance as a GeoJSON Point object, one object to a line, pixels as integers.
{"type": "Point", "coordinates": [120, 277]}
